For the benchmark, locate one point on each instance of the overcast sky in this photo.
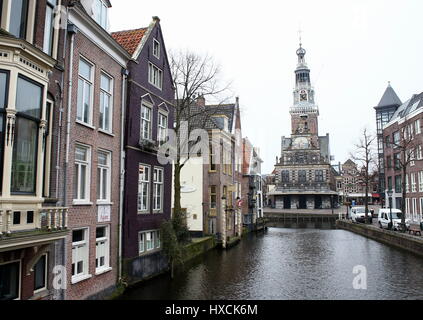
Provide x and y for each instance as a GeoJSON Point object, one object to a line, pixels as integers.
{"type": "Point", "coordinates": [353, 48]}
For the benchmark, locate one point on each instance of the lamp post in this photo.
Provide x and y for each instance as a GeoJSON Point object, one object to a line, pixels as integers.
{"type": "Point", "coordinates": [390, 194]}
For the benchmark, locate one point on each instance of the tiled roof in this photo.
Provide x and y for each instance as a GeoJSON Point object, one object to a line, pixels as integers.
{"type": "Point", "coordinates": [130, 39]}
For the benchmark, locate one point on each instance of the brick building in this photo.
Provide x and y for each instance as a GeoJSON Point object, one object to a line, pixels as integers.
{"type": "Point", "coordinates": [405, 125]}
{"type": "Point", "coordinates": [304, 175]}
{"type": "Point", "coordinates": [33, 225]}
{"type": "Point", "coordinates": [90, 155]}
{"type": "Point", "coordinates": [148, 183]}
{"type": "Point", "coordinates": [211, 184]}
{"type": "Point", "coordinates": [252, 185]}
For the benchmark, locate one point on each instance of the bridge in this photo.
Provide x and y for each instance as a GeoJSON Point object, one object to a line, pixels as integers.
{"type": "Point", "coordinates": [302, 219]}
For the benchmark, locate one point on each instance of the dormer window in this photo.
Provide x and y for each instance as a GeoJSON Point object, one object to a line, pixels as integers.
{"type": "Point", "coordinates": [156, 49]}
{"type": "Point", "coordinates": [101, 13]}
{"type": "Point", "coordinates": [222, 122]}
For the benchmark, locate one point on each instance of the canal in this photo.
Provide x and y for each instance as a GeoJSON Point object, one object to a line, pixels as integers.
{"type": "Point", "coordinates": [289, 264]}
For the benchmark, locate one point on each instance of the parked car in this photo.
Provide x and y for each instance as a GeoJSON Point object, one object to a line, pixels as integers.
{"type": "Point", "coordinates": [358, 214]}
{"type": "Point", "coordinates": [384, 219]}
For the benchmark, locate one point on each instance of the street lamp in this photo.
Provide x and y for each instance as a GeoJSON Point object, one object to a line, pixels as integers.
{"type": "Point", "coordinates": [390, 194]}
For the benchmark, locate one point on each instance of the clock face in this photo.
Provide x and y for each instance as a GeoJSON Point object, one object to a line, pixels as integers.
{"type": "Point", "coordinates": [303, 95]}
{"type": "Point", "coordinates": [300, 143]}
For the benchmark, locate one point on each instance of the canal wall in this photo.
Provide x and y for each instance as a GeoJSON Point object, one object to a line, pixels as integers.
{"type": "Point", "coordinates": [198, 247]}
{"type": "Point", "coordinates": [395, 239]}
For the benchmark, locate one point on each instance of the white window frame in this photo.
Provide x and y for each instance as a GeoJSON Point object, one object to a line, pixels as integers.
{"type": "Point", "coordinates": [87, 163]}
{"type": "Point", "coordinates": [162, 129]}
{"type": "Point", "coordinates": [158, 189]}
{"type": "Point", "coordinates": [98, 14]}
{"type": "Point", "coordinates": [413, 183]}
{"type": "Point", "coordinates": [156, 45]}
{"type": "Point", "coordinates": [146, 121]}
{"type": "Point", "coordinates": [45, 275]}
{"type": "Point", "coordinates": [108, 169]}
{"type": "Point", "coordinates": [417, 126]}
{"type": "Point", "coordinates": [106, 250]}
{"type": "Point", "coordinates": [144, 181]}
{"type": "Point", "coordinates": [421, 181]}
{"type": "Point", "coordinates": [154, 241]}
{"type": "Point", "coordinates": [89, 82]}
{"type": "Point", "coordinates": [85, 256]}
{"type": "Point", "coordinates": [155, 76]}
{"type": "Point", "coordinates": [109, 95]}
{"type": "Point", "coordinates": [20, 276]}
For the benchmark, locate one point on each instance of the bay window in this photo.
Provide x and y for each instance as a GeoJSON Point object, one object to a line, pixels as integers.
{"type": "Point", "coordinates": [143, 189]}
{"type": "Point", "coordinates": [85, 92]}
{"type": "Point", "coordinates": [49, 27]}
{"type": "Point", "coordinates": [106, 93]}
{"type": "Point", "coordinates": [158, 190]}
{"type": "Point", "coordinates": [146, 122]}
{"type": "Point", "coordinates": [103, 176]}
{"type": "Point", "coordinates": [102, 249]}
{"type": "Point", "coordinates": [82, 173]}
{"type": "Point", "coordinates": [24, 158]}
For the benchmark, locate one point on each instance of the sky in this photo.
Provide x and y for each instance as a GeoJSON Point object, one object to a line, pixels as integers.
{"type": "Point", "coordinates": [354, 47]}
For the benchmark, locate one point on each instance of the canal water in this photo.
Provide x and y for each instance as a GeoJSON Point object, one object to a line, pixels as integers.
{"type": "Point", "coordinates": [288, 264]}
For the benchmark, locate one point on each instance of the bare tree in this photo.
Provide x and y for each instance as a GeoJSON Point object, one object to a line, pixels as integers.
{"type": "Point", "coordinates": [405, 149]}
{"type": "Point", "coordinates": [194, 76]}
{"type": "Point", "coordinates": [366, 157]}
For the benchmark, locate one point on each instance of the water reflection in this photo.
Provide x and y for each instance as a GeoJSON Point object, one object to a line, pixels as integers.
{"type": "Point", "coordinates": [288, 264]}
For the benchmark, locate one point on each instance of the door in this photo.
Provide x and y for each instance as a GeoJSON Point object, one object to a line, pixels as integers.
{"type": "Point", "coordinates": [287, 202]}
{"type": "Point", "coordinates": [303, 202]}
{"type": "Point", "coordinates": [318, 202]}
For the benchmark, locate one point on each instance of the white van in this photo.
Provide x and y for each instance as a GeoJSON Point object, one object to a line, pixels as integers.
{"type": "Point", "coordinates": [358, 214]}
{"type": "Point", "coordinates": [384, 219]}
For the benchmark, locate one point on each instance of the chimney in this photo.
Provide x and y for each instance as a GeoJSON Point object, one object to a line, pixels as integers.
{"type": "Point", "coordinates": [201, 101]}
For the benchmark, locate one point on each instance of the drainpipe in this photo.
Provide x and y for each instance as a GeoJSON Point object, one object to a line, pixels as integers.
{"type": "Point", "coordinates": [72, 30]}
{"type": "Point", "coordinates": [125, 74]}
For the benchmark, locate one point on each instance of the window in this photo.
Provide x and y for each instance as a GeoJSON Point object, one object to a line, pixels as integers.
{"type": "Point", "coordinates": [302, 176]}
{"type": "Point", "coordinates": [390, 183]}
{"type": "Point", "coordinates": [387, 142]}
{"type": "Point", "coordinates": [158, 189]}
{"type": "Point", "coordinates": [106, 98]}
{"type": "Point", "coordinates": [49, 27]}
{"type": "Point", "coordinates": [162, 128]}
{"type": "Point", "coordinates": [213, 166]}
{"type": "Point", "coordinates": [419, 152]}
{"type": "Point", "coordinates": [417, 127]}
{"type": "Point", "coordinates": [29, 97]}
{"type": "Point", "coordinates": [9, 281]}
{"type": "Point", "coordinates": [319, 176]}
{"type": "Point", "coordinates": [101, 14]}
{"type": "Point", "coordinates": [398, 184]}
{"type": "Point", "coordinates": [156, 49]}
{"type": "Point", "coordinates": [102, 249]}
{"type": "Point", "coordinates": [143, 188]}
{"type": "Point", "coordinates": [4, 79]}
{"type": "Point", "coordinates": [421, 181]}
{"type": "Point", "coordinates": [18, 18]}
{"type": "Point", "coordinates": [285, 176]}
{"type": "Point", "coordinates": [82, 173]}
{"type": "Point", "coordinates": [397, 161]}
{"type": "Point", "coordinates": [213, 197]}
{"type": "Point", "coordinates": [40, 274]}
{"type": "Point", "coordinates": [389, 162]}
{"type": "Point", "coordinates": [155, 76]}
{"type": "Point", "coordinates": [85, 92]}
{"type": "Point", "coordinates": [413, 183]}
{"type": "Point", "coordinates": [103, 176]}
{"type": "Point", "coordinates": [407, 185]}
{"type": "Point", "coordinates": [145, 122]}
{"type": "Point", "coordinates": [79, 253]}
{"type": "Point", "coordinates": [148, 241]}
{"type": "Point", "coordinates": [396, 138]}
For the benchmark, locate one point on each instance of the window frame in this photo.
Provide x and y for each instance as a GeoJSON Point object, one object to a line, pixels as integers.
{"type": "Point", "coordinates": [110, 95]}
{"type": "Point", "coordinates": [52, 35]}
{"type": "Point", "coordinates": [25, 10]}
{"type": "Point", "coordinates": [156, 54]}
{"type": "Point", "coordinates": [160, 185]}
{"type": "Point", "coordinates": [162, 129]}
{"type": "Point", "coordinates": [146, 182]}
{"type": "Point", "coordinates": [45, 275]}
{"type": "Point", "coordinates": [155, 240]}
{"type": "Point", "coordinates": [148, 106]}
{"type": "Point", "coordinates": [106, 239]}
{"type": "Point", "coordinates": [88, 164]}
{"type": "Point", "coordinates": [90, 82]}
{"type": "Point", "coordinates": [155, 76]}
{"type": "Point", "coordinates": [108, 169]}
{"type": "Point", "coordinates": [86, 262]}
{"type": "Point", "coordinates": [3, 115]}
{"type": "Point", "coordinates": [19, 286]}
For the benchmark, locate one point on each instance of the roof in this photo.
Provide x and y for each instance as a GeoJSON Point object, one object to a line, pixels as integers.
{"type": "Point", "coordinates": [389, 98]}
{"type": "Point", "coordinates": [130, 39]}
{"type": "Point", "coordinates": [203, 117]}
{"type": "Point", "coordinates": [349, 162]}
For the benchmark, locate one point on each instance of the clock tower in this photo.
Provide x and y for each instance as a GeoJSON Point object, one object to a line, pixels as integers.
{"type": "Point", "coordinates": [303, 174]}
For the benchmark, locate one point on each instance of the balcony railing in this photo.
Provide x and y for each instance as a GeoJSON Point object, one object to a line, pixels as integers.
{"type": "Point", "coordinates": [303, 186]}
{"type": "Point", "coordinates": [27, 221]}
